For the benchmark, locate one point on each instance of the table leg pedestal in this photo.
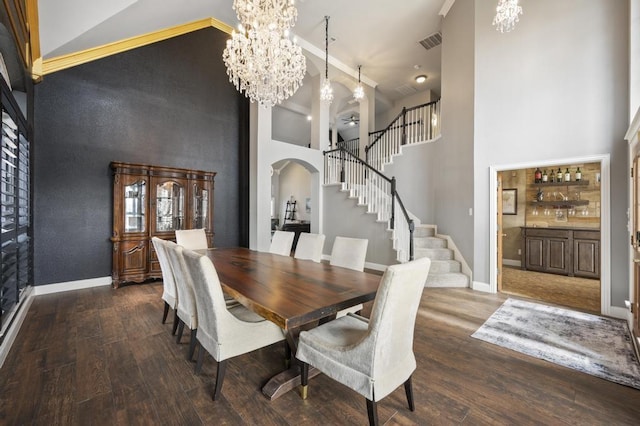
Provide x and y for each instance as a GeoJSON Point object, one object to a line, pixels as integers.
{"type": "Point", "coordinates": [283, 382]}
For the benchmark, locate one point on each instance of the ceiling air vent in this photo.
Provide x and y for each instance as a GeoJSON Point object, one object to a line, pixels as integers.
{"type": "Point", "coordinates": [406, 90]}
{"type": "Point", "coordinates": [432, 41]}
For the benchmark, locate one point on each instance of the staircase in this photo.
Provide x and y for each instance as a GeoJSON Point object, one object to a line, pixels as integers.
{"type": "Point", "coordinates": [365, 182]}
{"type": "Point", "coordinates": [445, 270]}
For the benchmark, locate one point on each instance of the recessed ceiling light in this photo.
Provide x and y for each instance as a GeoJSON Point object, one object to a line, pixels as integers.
{"type": "Point", "coordinates": [308, 118]}
{"type": "Point", "coordinates": [421, 78]}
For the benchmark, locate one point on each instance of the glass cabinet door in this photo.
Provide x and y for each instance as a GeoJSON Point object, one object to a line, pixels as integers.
{"type": "Point", "coordinates": [134, 206]}
{"type": "Point", "coordinates": [200, 206]}
{"type": "Point", "coordinates": [169, 206]}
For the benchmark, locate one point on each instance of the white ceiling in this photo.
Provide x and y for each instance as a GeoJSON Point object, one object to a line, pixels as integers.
{"type": "Point", "coordinates": [380, 35]}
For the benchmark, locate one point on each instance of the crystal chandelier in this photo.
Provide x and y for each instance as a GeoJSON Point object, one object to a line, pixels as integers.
{"type": "Point", "coordinates": [260, 58]}
{"type": "Point", "coordinates": [358, 93]}
{"type": "Point", "coordinates": [506, 17]}
{"type": "Point", "coordinates": [326, 92]}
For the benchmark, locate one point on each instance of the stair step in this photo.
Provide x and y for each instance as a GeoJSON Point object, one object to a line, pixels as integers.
{"type": "Point", "coordinates": [429, 242]}
{"type": "Point", "coordinates": [443, 266]}
{"type": "Point", "coordinates": [424, 231]}
{"type": "Point", "coordinates": [434, 254]}
{"type": "Point", "coordinates": [448, 279]}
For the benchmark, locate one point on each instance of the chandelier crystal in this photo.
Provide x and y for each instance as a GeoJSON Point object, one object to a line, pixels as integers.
{"type": "Point", "coordinates": [326, 92]}
{"type": "Point", "coordinates": [358, 93]}
{"type": "Point", "coordinates": [506, 17]}
{"type": "Point", "coordinates": [260, 58]}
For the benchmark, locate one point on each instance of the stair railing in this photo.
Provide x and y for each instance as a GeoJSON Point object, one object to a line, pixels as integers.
{"type": "Point", "coordinates": [416, 124]}
{"type": "Point", "coordinates": [352, 145]}
{"type": "Point", "coordinates": [375, 191]}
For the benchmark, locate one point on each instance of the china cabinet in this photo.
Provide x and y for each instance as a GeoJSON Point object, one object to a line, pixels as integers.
{"type": "Point", "coordinates": [152, 201]}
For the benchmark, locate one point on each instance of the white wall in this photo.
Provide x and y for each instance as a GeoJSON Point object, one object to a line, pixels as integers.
{"type": "Point", "coordinates": [555, 87]}
{"type": "Point", "coordinates": [295, 181]}
{"type": "Point", "coordinates": [290, 126]}
{"type": "Point", "coordinates": [634, 55]}
{"type": "Point", "coordinates": [452, 156]}
{"type": "Point", "coordinates": [420, 98]}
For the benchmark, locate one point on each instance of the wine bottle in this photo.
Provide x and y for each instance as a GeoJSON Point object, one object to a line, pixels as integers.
{"type": "Point", "coordinates": [545, 177]}
{"type": "Point", "coordinates": [567, 175]}
{"type": "Point", "coordinates": [578, 174]}
{"type": "Point", "coordinates": [559, 175]}
{"type": "Point", "coordinates": [538, 175]}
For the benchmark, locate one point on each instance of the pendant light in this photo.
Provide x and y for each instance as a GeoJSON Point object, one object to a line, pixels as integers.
{"type": "Point", "coordinates": [358, 93]}
{"type": "Point", "coordinates": [326, 92]}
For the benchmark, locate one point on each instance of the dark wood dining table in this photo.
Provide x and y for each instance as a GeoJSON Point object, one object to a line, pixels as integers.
{"type": "Point", "coordinates": [291, 293]}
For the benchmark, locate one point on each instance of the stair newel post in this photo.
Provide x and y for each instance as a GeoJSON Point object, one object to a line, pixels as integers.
{"type": "Point", "coordinates": [393, 202]}
{"type": "Point", "coordinates": [404, 125]}
{"type": "Point", "coordinates": [412, 227]}
{"type": "Point", "coordinates": [341, 165]}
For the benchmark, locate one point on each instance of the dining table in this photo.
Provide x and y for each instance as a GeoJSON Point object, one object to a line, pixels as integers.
{"type": "Point", "coordinates": [295, 294]}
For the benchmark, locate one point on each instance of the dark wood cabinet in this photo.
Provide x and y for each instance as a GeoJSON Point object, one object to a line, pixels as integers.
{"type": "Point", "coordinates": [573, 252]}
{"type": "Point", "coordinates": [586, 254]}
{"type": "Point", "coordinates": [151, 201]}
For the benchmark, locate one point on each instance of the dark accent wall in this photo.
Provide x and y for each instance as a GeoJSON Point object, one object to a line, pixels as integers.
{"type": "Point", "coordinates": [169, 104]}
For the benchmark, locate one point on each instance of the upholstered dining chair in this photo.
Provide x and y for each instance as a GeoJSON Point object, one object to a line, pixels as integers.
{"type": "Point", "coordinates": [224, 332]}
{"type": "Point", "coordinates": [310, 246]}
{"type": "Point", "coordinates": [169, 291]}
{"type": "Point", "coordinates": [187, 314]}
{"type": "Point", "coordinates": [349, 253]}
{"type": "Point", "coordinates": [281, 243]}
{"type": "Point", "coordinates": [371, 357]}
{"type": "Point", "coordinates": [192, 239]}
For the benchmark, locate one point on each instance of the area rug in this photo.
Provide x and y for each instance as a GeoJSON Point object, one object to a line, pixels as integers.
{"type": "Point", "coordinates": [589, 343]}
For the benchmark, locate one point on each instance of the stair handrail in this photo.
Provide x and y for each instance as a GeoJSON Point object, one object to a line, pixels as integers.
{"type": "Point", "coordinates": [415, 124]}
{"type": "Point", "coordinates": [352, 144]}
{"type": "Point", "coordinates": [394, 193]}
{"type": "Point", "coordinates": [402, 114]}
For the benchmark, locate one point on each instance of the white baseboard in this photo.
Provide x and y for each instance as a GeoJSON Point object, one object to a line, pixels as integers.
{"type": "Point", "coordinates": [71, 285]}
{"type": "Point", "coordinates": [480, 286]}
{"type": "Point", "coordinates": [375, 266]}
{"type": "Point", "coordinates": [511, 262]}
{"type": "Point", "coordinates": [618, 312]}
{"type": "Point", "coordinates": [12, 332]}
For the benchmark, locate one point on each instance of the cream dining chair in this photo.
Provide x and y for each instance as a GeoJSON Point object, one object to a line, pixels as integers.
{"type": "Point", "coordinates": [372, 357]}
{"type": "Point", "coordinates": [281, 243]}
{"type": "Point", "coordinates": [187, 314]}
{"type": "Point", "coordinates": [169, 291]}
{"type": "Point", "coordinates": [310, 246]}
{"type": "Point", "coordinates": [192, 239]}
{"type": "Point", "coordinates": [224, 332]}
{"type": "Point", "coordinates": [349, 253]}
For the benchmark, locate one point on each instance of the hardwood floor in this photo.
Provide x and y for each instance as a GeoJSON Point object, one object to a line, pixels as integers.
{"type": "Point", "coordinates": [578, 293]}
{"type": "Point", "coordinates": [101, 356]}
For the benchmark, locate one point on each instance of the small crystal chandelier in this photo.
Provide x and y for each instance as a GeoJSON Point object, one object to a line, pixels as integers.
{"type": "Point", "coordinates": [358, 93]}
{"type": "Point", "coordinates": [506, 17]}
{"type": "Point", "coordinates": [326, 92]}
{"type": "Point", "coordinates": [260, 58]}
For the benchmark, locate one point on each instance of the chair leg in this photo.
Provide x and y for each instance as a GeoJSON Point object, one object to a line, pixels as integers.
{"type": "Point", "coordinates": [176, 320]}
{"type": "Point", "coordinates": [180, 330]}
{"type": "Point", "coordinates": [304, 379]}
{"type": "Point", "coordinates": [192, 344]}
{"type": "Point", "coordinates": [408, 389]}
{"type": "Point", "coordinates": [222, 368]}
{"type": "Point", "coordinates": [165, 313]}
{"type": "Point", "coordinates": [372, 411]}
{"type": "Point", "coordinates": [200, 359]}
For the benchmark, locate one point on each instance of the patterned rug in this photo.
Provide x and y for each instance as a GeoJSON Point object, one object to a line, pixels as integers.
{"type": "Point", "coordinates": [589, 343]}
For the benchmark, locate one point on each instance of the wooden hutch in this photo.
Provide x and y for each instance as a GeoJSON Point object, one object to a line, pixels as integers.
{"type": "Point", "coordinates": [152, 201]}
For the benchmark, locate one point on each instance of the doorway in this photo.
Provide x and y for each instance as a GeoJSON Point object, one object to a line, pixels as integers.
{"type": "Point", "coordinates": [553, 233]}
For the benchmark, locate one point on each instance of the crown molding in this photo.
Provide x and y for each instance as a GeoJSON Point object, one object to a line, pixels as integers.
{"type": "Point", "coordinates": [78, 58]}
